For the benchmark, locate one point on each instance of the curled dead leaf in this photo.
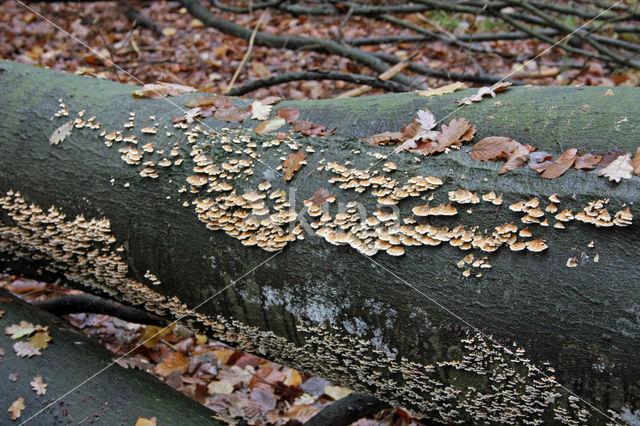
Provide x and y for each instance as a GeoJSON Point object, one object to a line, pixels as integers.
{"type": "Point", "coordinates": [516, 159]}
{"type": "Point", "coordinates": [483, 91]}
{"type": "Point", "coordinates": [561, 165]}
{"type": "Point", "coordinates": [493, 148]}
{"type": "Point", "coordinates": [292, 164]}
{"type": "Point", "coordinates": [382, 138]}
{"type": "Point", "coordinates": [289, 114]}
{"type": "Point", "coordinates": [269, 125]}
{"type": "Point", "coordinates": [620, 168]}
{"type": "Point", "coordinates": [587, 161]}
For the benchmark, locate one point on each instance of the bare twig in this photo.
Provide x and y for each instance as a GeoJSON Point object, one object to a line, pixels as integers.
{"type": "Point", "coordinates": [246, 55]}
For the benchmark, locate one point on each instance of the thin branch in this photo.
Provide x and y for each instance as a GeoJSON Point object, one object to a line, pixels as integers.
{"type": "Point", "coordinates": [290, 42]}
{"type": "Point", "coordinates": [317, 75]}
{"type": "Point", "coordinates": [77, 303]}
{"type": "Point", "coordinates": [246, 55]}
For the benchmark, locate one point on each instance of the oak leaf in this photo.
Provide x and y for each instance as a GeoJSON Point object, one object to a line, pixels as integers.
{"type": "Point", "coordinates": [516, 159]}
{"type": "Point", "coordinates": [587, 161]}
{"type": "Point", "coordinates": [25, 349]}
{"type": "Point", "coordinates": [162, 90]}
{"type": "Point", "coordinates": [40, 340]}
{"type": "Point", "coordinates": [444, 90]}
{"type": "Point", "coordinates": [61, 133]}
{"type": "Point", "coordinates": [17, 331]}
{"type": "Point", "coordinates": [493, 148]}
{"type": "Point", "coordinates": [561, 165]}
{"type": "Point", "coordinates": [292, 164]}
{"type": "Point", "coordinates": [16, 408]}
{"type": "Point", "coordinates": [620, 168]}
{"type": "Point", "coordinates": [320, 197]}
{"type": "Point", "coordinates": [458, 130]}
{"type": "Point", "coordinates": [175, 361]}
{"type": "Point", "coordinates": [260, 111]}
{"type": "Point", "coordinates": [38, 385]}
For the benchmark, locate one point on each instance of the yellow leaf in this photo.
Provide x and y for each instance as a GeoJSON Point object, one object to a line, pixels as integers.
{"type": "Point", "coordinates": [223, 355]}
{"type": "Point", "coordinates": [40, 340]}
{"type": "Point", "coordinates": [443, 90]}
{"type": "Point", "coordinates": [142, 421]}
{"type": "Point", "coordinates": [201, 339]}
{"type": "Point", "coordinates": [152, 334]}
{"type": "Point", "coordinates": [336, 392]}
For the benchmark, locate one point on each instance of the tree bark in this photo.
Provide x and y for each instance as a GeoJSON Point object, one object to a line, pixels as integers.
{"type": "Point", "coordinates": [116, 396]}
{"type": "Point", "coordinates": [528, 339]}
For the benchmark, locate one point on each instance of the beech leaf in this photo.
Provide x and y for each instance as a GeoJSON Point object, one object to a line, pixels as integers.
{"type": "Point", "coordinates": [269, 125]}
{"type": "Point", "coordinates": [636, 162]}
{"type": "Point", "coordinates": [162, 90]}
{"type": "Point", "coordinates": [207, 100]}
{"type": "Point", "coordinates": [561, 165]}
{"type": "Point", "coordinates": [587, 161]}
{"type": "Point", "coordinates": [384, 137]}
{"type": "Point", "coordinates": [493, 148]}
{"type": "Point", "coordinates": [620, 168]}
{"type": "Point", "coordinates": [233, 114]}
{"type": "Point", "coordinates": [289, 114]}
{"type": "Point", "coordinates": [443, 90]}
{"type": "Point", "coordinates": [292, 164]}
{"type": "Point", "coordinates": [540, 160]}
{"type": "Point", "coordinates": [516, 159]}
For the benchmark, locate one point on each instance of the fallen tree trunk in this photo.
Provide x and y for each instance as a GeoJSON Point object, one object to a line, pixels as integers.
{"type": "Point", "coordinates": [527, 339]}
{"type": "Point", "coordinates": [115, 396]}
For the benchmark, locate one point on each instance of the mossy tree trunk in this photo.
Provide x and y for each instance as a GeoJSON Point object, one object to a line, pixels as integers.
{"type": "Point", "coordinates": [528, 338]}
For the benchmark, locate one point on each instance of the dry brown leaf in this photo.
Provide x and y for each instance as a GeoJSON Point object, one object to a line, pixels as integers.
{"type": "Point", "coordinates": [61, 133]}
{"type": "Point", "coordinates": [289, 114]}
{"type": "Point", "coordinates": [223, 355]}
{"type": "Point", "coordinates": [516, 159]}
{"type": "Point", "coordinates": [292, 378]}
{"type": "Point", "coordinates": [40, 340]}
{"type": "Point", "coordinates": [620, 168]}
{"type": "Point", "coordinates": [383, 137]}
{"type": "Point", "coordinates": [162, 90]}
{"type": "Point", "coordinates": [457, 131]}
{"type": "Point", "coordinates": [233, 114]}
{"type": "Point", "coordinates": [207, 100]}
{"type": "Point", "coordinates": [587, 161]}
{"type": "Point", "coordinates": [483, 91]}
{"type": "Point", "coordinates": [320, 197]}
{"type": "Point", "coordinates": [175, 361]}
{"type": "Point", "coordinates": [38, 385]}
{"type": "Point", "coordinates": [411, 130]}
{"type": "Point", "coordinates": [540, 160]}
{"type": "Point", "coordinates": [561, 165]}
{"type": "Point", "coordinates": [493, 148]}
{"type": "Point", "coordinates": [636, 162]}
{"type": "Point", "coordinates": [270, 125]}
{"type": "Point", "coordinates": [421, 129]}
{"type": "Point", "coordinates": [25, 349]}
{"type": "Point", "coordinates": [260, 111]}
{"type": "Point", "coordinates": [271, 100]}
{"type": "Point", "coordinates": [302, 413]}
{"type": "Point", "coordinates": [301, 126]}
{"type": "Point", "coordinates": [292, 164]}
{"type": "Point", "coordinates": [16, 408]}
{"type": "Point", "coordinates": [444, 90]}
{"type": "Point", "coordinates": [609, 157]}
{"type": "Point", "coordinates": [336, 392]}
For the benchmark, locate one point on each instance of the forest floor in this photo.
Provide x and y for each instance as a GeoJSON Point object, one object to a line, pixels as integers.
{"type": "Point", "coordinates": [97, 39]}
